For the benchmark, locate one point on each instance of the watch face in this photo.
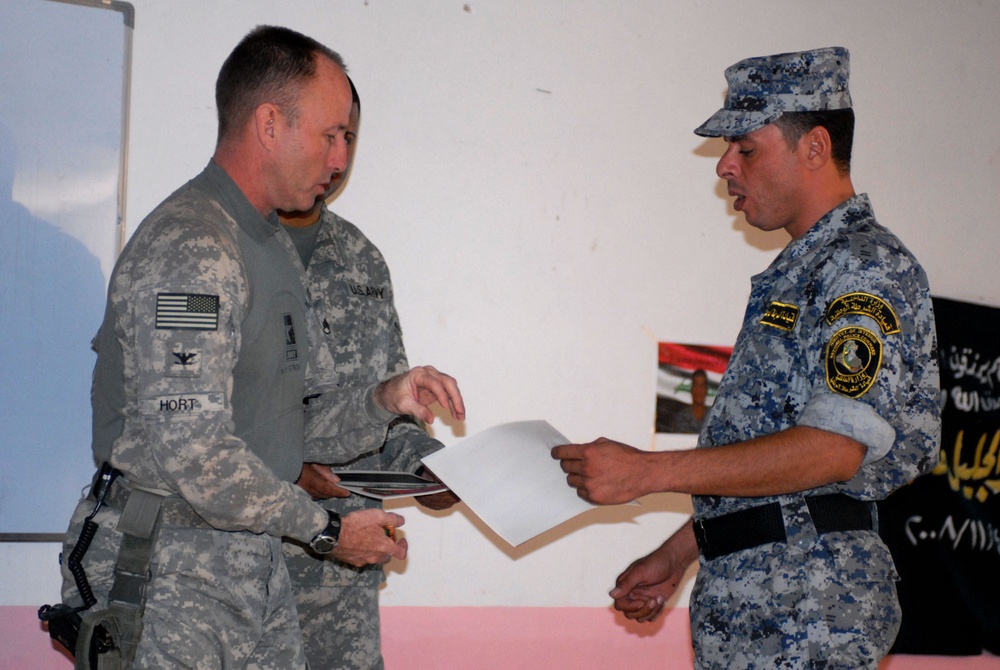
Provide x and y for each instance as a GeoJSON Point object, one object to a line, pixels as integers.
{"type": "Point", "coordinates": [326, 540]}
{"type": "Point", "coordinates": [323, 544]}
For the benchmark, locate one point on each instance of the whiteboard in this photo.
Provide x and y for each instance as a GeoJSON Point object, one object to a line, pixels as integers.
{"type": "Point", "coordinates": [63, 115]}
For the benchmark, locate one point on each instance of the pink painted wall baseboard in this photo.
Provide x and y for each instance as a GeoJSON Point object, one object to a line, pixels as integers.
{"type": "Point", "coordinates": [543, 638]}
{"type": "Point", "coordinates": [489, 638]}
{"type": "Point", "coordinates": [536, 638]}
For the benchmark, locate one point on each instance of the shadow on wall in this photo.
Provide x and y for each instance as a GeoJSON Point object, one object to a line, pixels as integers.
{"type": "Point", "coordinates": [51, 298]}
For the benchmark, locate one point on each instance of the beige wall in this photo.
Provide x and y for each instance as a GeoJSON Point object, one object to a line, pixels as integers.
{"type": "Point", "coordinates": [528, 169]}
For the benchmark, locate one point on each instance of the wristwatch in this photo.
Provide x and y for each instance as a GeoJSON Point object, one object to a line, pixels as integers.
{"type": "Point", "coordinates": [326, 540]}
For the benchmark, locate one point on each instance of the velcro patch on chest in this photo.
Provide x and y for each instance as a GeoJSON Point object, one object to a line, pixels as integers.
{"type": "Point", "coordinates": [291, 342]}
{"type": "Point", "coordinates": [867, 305]}
{"type": "Point", "coordinates": [780, 315]}
{"type": "Point", "coordinates": [853, 359]}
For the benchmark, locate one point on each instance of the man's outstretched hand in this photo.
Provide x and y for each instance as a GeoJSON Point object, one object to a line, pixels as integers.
{"type": "Point", "coordinates": [412, 393]}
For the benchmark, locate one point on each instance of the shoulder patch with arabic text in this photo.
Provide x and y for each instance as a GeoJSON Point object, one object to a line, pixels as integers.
{"type": "Point", "coordinates": [867, 304]}
{"type": "Point", "coordinates": [780, 315]}
{"type": "Point", "coordinates": [853, 359]}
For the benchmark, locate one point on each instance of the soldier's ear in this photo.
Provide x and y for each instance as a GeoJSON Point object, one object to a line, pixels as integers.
{"type": "Point", "coordinates": [266, 119]}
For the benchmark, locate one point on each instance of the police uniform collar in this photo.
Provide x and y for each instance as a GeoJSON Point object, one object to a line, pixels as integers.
{"type": "Point", "coordinates": [789, 261]}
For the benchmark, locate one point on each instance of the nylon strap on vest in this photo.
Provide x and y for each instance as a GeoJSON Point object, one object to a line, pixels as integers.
{"type": "Point", "coordinates": [140, 525]}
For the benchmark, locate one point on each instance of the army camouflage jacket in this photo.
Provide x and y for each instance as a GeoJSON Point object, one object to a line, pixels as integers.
{"type": "Point", "coordinates": [351, 293]}
{"type": "Point", "coordinates": [204, 361]}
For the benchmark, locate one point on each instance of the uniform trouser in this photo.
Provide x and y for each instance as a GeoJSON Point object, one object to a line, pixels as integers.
{"type": "Point", "coordinates": [340, 625]}
{"type": "Point", "coordinates": [338, 610]}
{"type": "Point", "coordinates": [791, 616]}
{"type": "Point", "coordinates": [216, 600]}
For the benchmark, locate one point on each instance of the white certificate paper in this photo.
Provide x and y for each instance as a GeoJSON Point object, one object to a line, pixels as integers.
{"type": "Point", "coordinates": [507, 476]}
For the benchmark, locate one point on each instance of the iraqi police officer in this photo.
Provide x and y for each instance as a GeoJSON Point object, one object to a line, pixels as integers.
{"type": "Point", "coordinates": [829, 402]}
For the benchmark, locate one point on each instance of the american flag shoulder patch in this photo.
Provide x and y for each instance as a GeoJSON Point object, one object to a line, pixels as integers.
{"type": "Point", "coordinates": [190, 311]}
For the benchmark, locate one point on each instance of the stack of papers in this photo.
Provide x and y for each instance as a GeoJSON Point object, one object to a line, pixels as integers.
{"type": "Point", "coordinates": [387, 485]}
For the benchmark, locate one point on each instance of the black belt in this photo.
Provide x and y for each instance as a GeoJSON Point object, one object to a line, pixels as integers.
{"type": "Point", "coordinates": [721, 535]}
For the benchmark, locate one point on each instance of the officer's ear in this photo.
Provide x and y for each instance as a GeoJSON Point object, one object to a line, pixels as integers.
{"type": "Point", "coordinates": [266, 118]}
{"type": "Point", "coordinates": [817, 147]}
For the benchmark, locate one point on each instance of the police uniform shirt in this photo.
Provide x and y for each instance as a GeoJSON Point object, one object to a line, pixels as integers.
{"type": "Point", "coordinates": [838, 335]}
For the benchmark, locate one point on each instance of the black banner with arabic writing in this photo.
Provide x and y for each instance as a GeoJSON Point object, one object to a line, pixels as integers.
{"type": "Point", "coordinates": [944, 528]}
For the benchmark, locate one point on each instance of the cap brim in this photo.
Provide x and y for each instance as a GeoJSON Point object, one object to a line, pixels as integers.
{"type": "Point", "coordinates": [732, 123]}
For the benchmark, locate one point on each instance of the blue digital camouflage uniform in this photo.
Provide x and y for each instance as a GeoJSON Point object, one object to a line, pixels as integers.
{"type": "Point", "coordinates": [838, 335]}
{"type": "Point", "coordinates": [203, 363]}
{"type": "Point", "coordinates": [351, 292]}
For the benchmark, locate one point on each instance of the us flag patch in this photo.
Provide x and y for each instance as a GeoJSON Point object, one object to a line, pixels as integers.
{"type": "Point", "coordinates": [189, 311]}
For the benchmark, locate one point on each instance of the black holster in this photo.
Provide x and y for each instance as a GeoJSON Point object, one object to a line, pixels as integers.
{"type": "Point", "coordinates": [106, 639]}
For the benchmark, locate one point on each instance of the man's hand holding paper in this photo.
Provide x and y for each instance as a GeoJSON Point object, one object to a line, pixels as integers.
{"type": "Point", "coordinates": [605, 472]}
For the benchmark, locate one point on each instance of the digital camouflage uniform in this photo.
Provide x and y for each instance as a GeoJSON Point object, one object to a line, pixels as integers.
{"type": "Point", "coordinates": [203, 362]}
{"type": "Point", "coordinates": [351, 292]}
{"type": "Point", "coordinates": [763, 88]}
{"type": "Point", "coordinates": [838, 335]}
